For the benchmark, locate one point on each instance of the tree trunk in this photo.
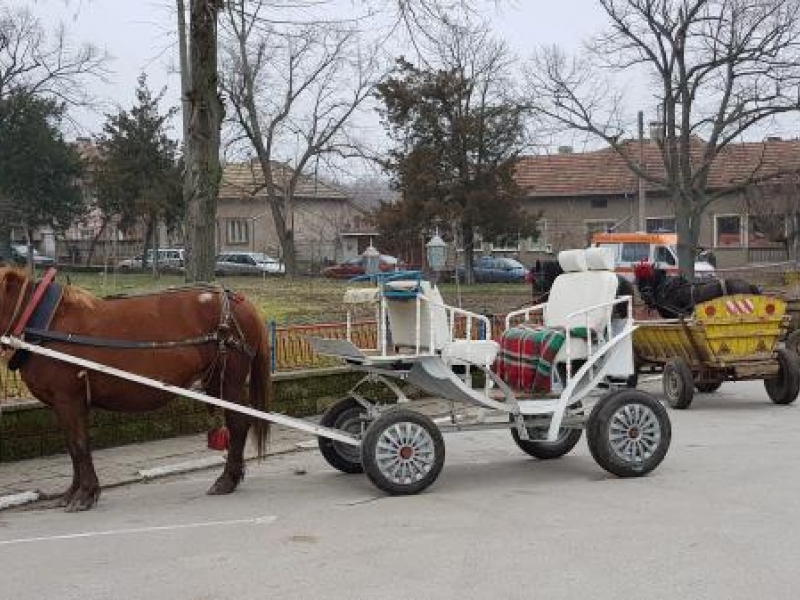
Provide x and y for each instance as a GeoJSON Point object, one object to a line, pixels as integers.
{"type": "Point", "coordinates": [686, 230]}
{"type": "Point", "coordinates": [5, 231]}
{"type": "Point", "coordinates": [203, 172]}
{"type": "Point", "coordinates": [468, 235]}
{"type": "Point", "coordinates": [95, 238]}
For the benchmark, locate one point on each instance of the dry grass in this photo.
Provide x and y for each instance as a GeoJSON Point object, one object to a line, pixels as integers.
{"type": "Point", "coordinates": [304, 299]}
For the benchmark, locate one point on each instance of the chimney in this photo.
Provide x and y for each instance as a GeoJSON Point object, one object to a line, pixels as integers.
{"type": "Point", "coordinates": [565, 149]}
{"type": "Point", "coordinates": [656, 131]}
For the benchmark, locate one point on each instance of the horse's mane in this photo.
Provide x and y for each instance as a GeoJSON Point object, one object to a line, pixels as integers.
{"type": "Point", "coordinates": [80, 297]}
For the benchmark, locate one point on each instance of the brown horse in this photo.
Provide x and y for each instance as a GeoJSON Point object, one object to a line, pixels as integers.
{"type": "Point", "coordinates": [201, 335]}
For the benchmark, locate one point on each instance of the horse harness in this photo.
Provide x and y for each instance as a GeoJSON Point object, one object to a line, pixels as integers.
{"type": "Point", "coordinates": [35, 308]}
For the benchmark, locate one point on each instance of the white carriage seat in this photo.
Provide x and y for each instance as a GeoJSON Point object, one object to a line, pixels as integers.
{"type": "Point", "coordinates": [402, 314]}
{"type": "Point", "coordinates": [588, 279]}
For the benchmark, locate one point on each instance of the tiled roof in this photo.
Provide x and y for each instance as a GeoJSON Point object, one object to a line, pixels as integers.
{"type": "Point", "coordinates": [603, 171]}
{"type": "Point", "coordinates": [242, 179]}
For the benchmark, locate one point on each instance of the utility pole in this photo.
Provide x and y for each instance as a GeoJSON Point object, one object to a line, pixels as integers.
{"type": "Point", "coordinates": [642, 199]}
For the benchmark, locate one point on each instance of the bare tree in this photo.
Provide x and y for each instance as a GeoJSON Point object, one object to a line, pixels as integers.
{"type": "Point", "coordinates": [293, 92]}
{"type": "Point", "coordinates": [719, 69]}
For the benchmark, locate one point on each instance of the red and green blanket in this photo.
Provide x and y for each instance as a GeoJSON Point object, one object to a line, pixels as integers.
{"type": "Point", "coordinates": [526, 355]}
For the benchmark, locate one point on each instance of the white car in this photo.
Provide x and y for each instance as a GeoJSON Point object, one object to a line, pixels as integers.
{"type": "Point", "coordinates": [169, 259]}
{"type": "Point", "coordinates": [247, 263]}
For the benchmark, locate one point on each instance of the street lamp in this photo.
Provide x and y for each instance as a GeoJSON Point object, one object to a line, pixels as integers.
{"type": "Point", "coordinates": [372, 260]}
{"type": "Point", "coordinates": [436, 250]}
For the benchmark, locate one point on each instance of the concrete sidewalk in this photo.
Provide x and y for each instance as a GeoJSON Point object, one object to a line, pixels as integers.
{"type": "Point", "coordinates": [27, 480]}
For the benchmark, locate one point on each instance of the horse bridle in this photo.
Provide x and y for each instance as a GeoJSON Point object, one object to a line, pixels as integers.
{"type": "Point", "coordinates": [19, 307]}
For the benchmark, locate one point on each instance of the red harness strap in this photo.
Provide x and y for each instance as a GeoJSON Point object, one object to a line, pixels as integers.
{"type": "Point", "coordinates": [35, 299]}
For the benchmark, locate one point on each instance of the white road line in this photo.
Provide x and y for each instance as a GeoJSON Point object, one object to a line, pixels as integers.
{"type": "Point", "coordinates": [267, 520]}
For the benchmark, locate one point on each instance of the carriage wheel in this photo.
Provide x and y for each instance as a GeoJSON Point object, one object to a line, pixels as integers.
{"type": "Point", "coordinates": [784, 388]}
{"type": "Point", "coordinates": [542, 449]}
{"type": "Point", "coordinates": [629, 433]}
{"type": "Point", "coordinates": [402, 452]}
{"type": "Point", "coordinates": [708, 386]}
{"type": "Point", "coordinates": [349, 416]}
{"type": "Point", "coordinates": [793, 342]}
{"type": "Point", "coordinates": [678, 383]}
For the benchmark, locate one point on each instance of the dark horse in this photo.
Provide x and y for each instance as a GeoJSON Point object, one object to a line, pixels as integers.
{"type": "Point", "coordinates": [184, 336]}
{"type": "Point", "coordinates": [544, 273]}
{"type": "Point", "coordinates": [674, 297]}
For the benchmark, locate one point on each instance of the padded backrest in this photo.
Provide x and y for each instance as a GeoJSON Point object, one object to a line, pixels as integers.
{"type": "Point", "coordinates": [579, 289]}
{"type": "Point", "coordinates": [599, 258]}
{"type": "Point", "coordinates": [403, 320]}
{"type": "Point", "coordinates": [572, 261]}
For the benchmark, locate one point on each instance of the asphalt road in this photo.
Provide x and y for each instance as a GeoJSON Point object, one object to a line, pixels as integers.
{"type": "Point", "coordinates": [718, 519]}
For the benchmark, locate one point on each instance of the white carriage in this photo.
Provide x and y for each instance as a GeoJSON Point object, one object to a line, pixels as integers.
{"type": "Point", "coordinates": [438, 348]}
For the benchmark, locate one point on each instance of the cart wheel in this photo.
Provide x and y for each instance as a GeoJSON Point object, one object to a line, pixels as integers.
{"type": "Point", "coordinates": [783, 389]}
{"type": "Point", "coordinates": [349, 416]}
{"type": "Point", "coordinates": [793, 342]}
{"type": "Point", "coordinates": [707, 387]}
{"type": "Point", "coordinates": [678, 383]}
{"type": "Point", "coordinates": [402, 452]}
{"type": "Point", "coordinates": [629, 433]}
{"type": "Point", "coordinates": [544, 450]}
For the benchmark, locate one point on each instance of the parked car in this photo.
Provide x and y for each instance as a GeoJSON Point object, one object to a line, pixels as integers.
{"type": "Point", "coordinates": [357, 266]}
{"type": "Point", "coordinates": [19, 253]}
{"type": "Point", "coordinates": [169, 259]}
{"type": "Point", "coordinates": [496, 269]}
{"type": "Point", "coordinates": [247, 263]}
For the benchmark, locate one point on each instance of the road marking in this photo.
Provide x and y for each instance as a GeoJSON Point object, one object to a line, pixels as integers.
{"type": "Point", "coordinates": [266, 520]}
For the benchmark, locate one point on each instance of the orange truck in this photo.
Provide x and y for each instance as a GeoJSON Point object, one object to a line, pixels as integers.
{"type": "Point", "coordinates": [658, 248]}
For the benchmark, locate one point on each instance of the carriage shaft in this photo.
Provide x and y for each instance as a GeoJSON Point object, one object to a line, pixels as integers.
{"type": "Point", "coordinates": [276, 418]}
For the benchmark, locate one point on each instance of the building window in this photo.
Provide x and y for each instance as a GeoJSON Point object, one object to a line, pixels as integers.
{"type": "Point", "coordinates": [237, 231]}
{"type": "Point", "coordinates": [599, 202]}
{"type": "Point", "coordinates": [660, 225]}
{"type": "Point", "coordinates": [540, 243]}
{"type": "Point", "coordinates": [766, 231]}
{"type": "Point", "coordinates": [728, 231]}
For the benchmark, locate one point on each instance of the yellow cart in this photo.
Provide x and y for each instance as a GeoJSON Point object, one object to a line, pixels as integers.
{"type": "Point", "coordinates": [732, 338]}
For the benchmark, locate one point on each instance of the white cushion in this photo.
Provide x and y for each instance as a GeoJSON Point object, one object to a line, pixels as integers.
{"type": "Point", "coordinates": [403, 320]}
{"type": "Point", "coordinates": [599, 259]}
{"type": "Point", "coordinates": [361, 295]}
{"type": "Point", "coordinates": [572, 260]}
{"type": "Point", "coordinates": [476, 352]}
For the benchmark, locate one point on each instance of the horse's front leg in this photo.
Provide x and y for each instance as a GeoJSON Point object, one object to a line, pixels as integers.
{"type": "Point", "coordinates": [85, 489]}
{"type": "Point", "coordinates": [238, 425]}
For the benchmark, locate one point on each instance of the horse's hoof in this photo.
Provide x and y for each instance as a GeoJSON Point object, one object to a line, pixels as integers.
{"type": "Point", "coordinates": [65, 499]}
{"type": "Point", "coordinates": [223, 485]}
{"type": "Point", "coordinates": [82, 501]}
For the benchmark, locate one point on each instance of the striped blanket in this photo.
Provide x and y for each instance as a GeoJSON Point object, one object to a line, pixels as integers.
{"type": "Point", "coordinates": [526, 355]}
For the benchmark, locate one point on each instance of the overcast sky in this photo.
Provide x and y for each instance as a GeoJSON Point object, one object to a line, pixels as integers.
{"type": "Point", "coordinates": [140, 36]}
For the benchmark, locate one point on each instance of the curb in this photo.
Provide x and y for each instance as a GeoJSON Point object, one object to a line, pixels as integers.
{"type": "Point", "coordinates": [146, 475]}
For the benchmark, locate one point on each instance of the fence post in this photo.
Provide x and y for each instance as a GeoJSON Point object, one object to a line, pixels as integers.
{"type": "Point", "coordinates": [273, 344]}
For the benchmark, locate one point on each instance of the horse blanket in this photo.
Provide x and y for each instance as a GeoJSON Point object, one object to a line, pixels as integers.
{"type": "Point", "coordinates": [526, 355]}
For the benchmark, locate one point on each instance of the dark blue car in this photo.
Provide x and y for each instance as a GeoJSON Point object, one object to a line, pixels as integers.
{"type": "Point", "coordinates": [496, 269]}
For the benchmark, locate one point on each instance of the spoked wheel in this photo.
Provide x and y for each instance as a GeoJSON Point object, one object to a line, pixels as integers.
{"type": "Point", "coordinates": [542, 449]}
{"type": "Point", "coordinates": [402, 452]}
{"type": "Point", "coordinates": [708, 386]}
{"type": "Point", "coordinates": [629, 433]}
{"type": "Point", "coordinates": [349, 416]}
{"type": "Point", "coordinates": [783, 388]}
{"type": "Point", "coordinates": [678, 383]}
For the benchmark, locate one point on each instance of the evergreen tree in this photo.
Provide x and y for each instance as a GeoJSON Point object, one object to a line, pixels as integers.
{"type": "Point", "coordinates": [138, 177]}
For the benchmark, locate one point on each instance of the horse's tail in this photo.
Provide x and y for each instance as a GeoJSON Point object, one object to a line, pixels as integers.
{"type": "Point", "coordinates": [261, 391]}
